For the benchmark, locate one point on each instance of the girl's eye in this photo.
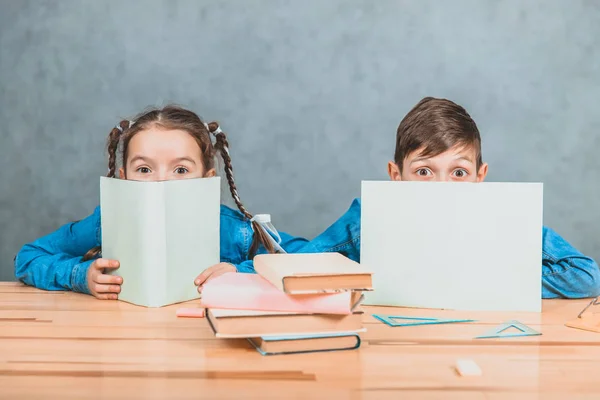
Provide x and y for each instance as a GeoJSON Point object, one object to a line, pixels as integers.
{"type": "Point", "coordinates": [181, 170]}
{"type": "Point", "coordinates": [460, 173]}
{"type": "Point", "coordinates": [143, 170]}
{"type": "Point", "coordinates": [424, 172]}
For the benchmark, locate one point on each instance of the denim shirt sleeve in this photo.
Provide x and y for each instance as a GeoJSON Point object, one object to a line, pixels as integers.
{"type": "Point", "coordinates": [291, 244]}
{"type": "Point", "coordinates": [343, 236]}
{"type": "Point", "coordinates": [566, 273]}
{"type": "Point", "coordinates": [236, 238]}
{"type": "Point", "coordinates": [53, 262]}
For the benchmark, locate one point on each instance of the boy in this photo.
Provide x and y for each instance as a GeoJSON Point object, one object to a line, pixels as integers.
{"type": "Point", "coordinates": [438, 141]}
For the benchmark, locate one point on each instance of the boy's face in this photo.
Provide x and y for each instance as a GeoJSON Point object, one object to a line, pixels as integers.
{"type": "Point", "coordinates": [458, 164]}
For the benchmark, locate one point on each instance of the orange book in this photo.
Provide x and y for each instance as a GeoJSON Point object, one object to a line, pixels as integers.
{"type": "Point", "coordinates": [251, 324]}
{"type": "Point", "coordinates": [313, 273]}
{"type": "Point", "coordinates": [253, 292]}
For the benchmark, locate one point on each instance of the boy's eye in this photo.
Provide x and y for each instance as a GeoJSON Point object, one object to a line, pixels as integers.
{"type": "Point", "coordinates": [143, 170]}
{"type": "Point", "coordinates": [424, 172]}
{"type": "Point", "coordinates": [181, 170]}
{"type": "Point", "coordinates": [460, 173]}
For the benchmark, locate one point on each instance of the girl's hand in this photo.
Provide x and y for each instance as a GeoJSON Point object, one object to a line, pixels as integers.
{"type": "Point", "coordinates": [213, 272]}
{"type": "Point", "coordinates": [101, 285]}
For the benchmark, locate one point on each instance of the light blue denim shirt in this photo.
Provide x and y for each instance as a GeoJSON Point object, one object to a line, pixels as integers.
{"type": "Point", "coordinates": [54, 261]}
{"type": "Point", "coordinates": [566, 273]}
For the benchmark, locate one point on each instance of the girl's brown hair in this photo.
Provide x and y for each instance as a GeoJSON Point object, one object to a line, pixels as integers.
{"type": "Point", "coordinates": [176, 118]}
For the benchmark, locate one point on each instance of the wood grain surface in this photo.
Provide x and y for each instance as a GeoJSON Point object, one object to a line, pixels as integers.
{"type": "Point", "coordinates": [67, 345]}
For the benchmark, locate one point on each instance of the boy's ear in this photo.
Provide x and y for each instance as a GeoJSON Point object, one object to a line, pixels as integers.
{"type": "Point", "coordinates": [394, 171]}
{"type": "Point", "coordinates": [210, 173]}
{"type": "Point", "coordinates": [121, 173]}
{"type": "Point", "coordinates": [481, 174]}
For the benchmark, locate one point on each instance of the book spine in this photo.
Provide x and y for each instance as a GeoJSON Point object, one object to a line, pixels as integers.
{"type": "Point", "coordinates": [264, 353]}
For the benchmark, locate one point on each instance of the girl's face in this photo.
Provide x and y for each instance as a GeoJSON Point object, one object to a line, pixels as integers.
{"type": "Point", "coordinates": [156, 154]}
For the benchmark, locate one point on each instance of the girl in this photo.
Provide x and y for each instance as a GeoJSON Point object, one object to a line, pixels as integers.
{"type": "Point", "coordinates": [160, 144]}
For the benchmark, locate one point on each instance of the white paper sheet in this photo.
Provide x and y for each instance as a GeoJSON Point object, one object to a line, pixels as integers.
{"type": "Point", "coordinates": [163, 234]}
{"type": "Point", "coordinates": [462, 246]}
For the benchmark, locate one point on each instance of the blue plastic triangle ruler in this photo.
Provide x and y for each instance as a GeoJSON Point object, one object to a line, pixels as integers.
{"type": "Point", "coordinates": [392, 320]}
{"type": "Point", "coordinates": [524, 330]}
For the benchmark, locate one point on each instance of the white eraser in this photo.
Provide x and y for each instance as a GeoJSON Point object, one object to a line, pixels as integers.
{"type": "Point", "coordinates": [467, 368]}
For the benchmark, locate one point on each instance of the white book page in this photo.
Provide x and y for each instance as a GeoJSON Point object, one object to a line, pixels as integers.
{"type": "Point", "coordinates": [459, 246]}
{"type": "Point", "coordinates": [193, 216]}
{"type": "Point", "coordinates": [163, 234]}
{"type": "Point", "coordinates": [133, 232]}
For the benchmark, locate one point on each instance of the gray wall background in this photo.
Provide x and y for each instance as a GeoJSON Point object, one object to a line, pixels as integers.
{"type": "Point", "coordinates": [310, 92]}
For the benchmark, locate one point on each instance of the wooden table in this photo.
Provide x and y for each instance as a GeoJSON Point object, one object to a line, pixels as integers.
{"type": "Point", "coordinates": [68, 345]}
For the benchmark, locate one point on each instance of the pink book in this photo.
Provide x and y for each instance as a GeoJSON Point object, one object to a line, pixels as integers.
{"type": "Point", "coordinates": [239, 291]}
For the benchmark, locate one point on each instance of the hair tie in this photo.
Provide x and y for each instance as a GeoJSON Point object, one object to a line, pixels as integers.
{"type": "Point", "coordinates": [118, 126]}
{"type": "Point", "coordinates": [215, 132]}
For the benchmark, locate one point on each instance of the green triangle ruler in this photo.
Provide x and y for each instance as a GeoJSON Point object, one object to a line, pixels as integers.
{"type": "Point", "coordinates": [392, 320]}
{"type": "Point", "coordinates": [524, 330]}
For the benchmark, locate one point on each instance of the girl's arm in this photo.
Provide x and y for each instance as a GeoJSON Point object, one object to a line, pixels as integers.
{"type": "Point", "coordinates": [54, 261]}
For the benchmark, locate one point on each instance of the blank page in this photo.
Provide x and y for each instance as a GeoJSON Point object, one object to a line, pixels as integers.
{"type": "Point", "coordinates": [133, 233]}
{"type": "Point", "coordinates": [192, 223]}
{"type": "Point", "coordinates": [459, 246]}
{"type": "Point", "coordinates": [163, 233]}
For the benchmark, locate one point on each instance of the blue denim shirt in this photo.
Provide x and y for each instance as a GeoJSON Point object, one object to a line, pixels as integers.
{"type": "Point", "coordinates": [566, 273]}
{"type": "Point", "coordinates": [54, 261]}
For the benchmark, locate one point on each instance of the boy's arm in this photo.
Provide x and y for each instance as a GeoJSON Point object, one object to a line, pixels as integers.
{"type": "Point", "coordinates": [566, 273]}
{"type": "Point", "coordinates": [53, 262]}
{"type": "Point", "coordinates": [343, 236]}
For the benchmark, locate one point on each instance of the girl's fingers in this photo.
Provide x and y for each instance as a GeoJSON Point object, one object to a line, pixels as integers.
{"type": "Point", "coordinates": [102, 263]}
{"type": "Point", "coordinates": [99, 288]}
{"type": "Point", "coordinates": [106, 296]}
{"type": "Point", "coordinates": [108, 279]}
{"type": "Point", "coordinates": [203, 277]}
{"type": "Point", "coordinates": [213, 272]}
{"type": "Point", "coordinates": [223, 269]}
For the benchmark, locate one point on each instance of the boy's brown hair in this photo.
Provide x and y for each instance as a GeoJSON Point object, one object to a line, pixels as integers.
{"type": "Point", "coordinates": [434, 126]}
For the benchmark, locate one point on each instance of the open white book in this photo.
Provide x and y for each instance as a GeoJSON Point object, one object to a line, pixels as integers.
{"type": "Point", "coordinates": [163, 234]}
{"type": "Point", "coordinates": [461, 246]}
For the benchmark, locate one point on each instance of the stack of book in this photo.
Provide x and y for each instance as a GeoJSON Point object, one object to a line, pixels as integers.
{"type": "Point", "coordinates": [294, 303]}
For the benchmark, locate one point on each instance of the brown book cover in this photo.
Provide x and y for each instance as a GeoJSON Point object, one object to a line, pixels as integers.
{"type": "Point", "coordinates": [313, 273]}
